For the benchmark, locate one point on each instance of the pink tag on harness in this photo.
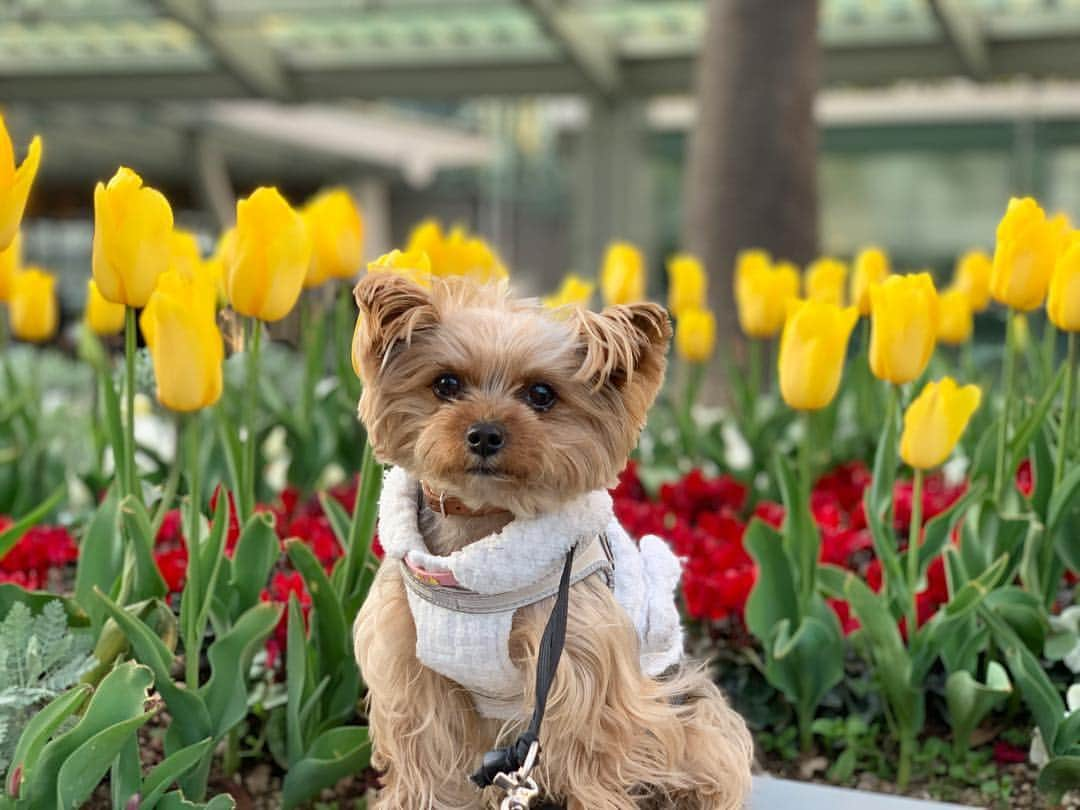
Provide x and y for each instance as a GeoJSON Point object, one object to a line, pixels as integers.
{"type": "Point", "coordinates": [444, 578]}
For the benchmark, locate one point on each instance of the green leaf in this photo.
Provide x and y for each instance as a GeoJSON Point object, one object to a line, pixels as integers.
{"type": "Point", "coordinates": [225, 693]}
{"type": "Point", "coordinates": [773, 597]}
{"type": "Point", "coordinates": [169, 770]}
{"type": "Point", "coordinates": [893, 665]}
{"type": "Point", "coordinates": [257, 550]}
{"type": "Point", "coordinates": [805, 664]}
{"type": "Point", "coordinates": [101, 558]}
{"type": "Point", "coordinates": [125, 776]}
{"type": "Point", "coordinates": [936, 532]}
{"type": "Point", "coordinates": [43, 725]}
{"type": "Point", "coordinates": [11, 535]}
{"type": "Point", "coordinates": [1025, 432]}
{"type": "Point", "coordinates": [335, 754]}
{"type": "Point", "coordinates": [148, 582]}
{"type": "Point", "coordinates": [119, 698]}
{"type": "Point", "coordinates": [114, 425]}
{"type": "Point", "coordinates": [1063, 499]}
{"type": "Point", "coordinates": [337, 516]}
{"type": "Point", "coordinates": [204, 566]}
{"type": "Point", "coordinates": [1022, 612]}
{"type": "Point", "coordinates": [878, 502]}
{"type": "Point", "coordinates": [295, 675]}
{"type": "Point", "coordinates": [970, 701]}
{"type": "Point", "coordinates": [176, 801]}
{"type": "Point", "coordinates": [190, 717]}
{"type": "Point", "coordinates": [802, 543]}
{"type": "Point", "coordinates": [1060, 775]}
{"type": "Point", "coordinates": [84, 769]}
{"type": "Point", "coordinates": [330, 635]}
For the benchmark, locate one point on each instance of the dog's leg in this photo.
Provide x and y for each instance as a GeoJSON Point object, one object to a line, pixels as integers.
{"type": "Point", "coordinates": [615, 739]}
{"type": "Point", "coordinates": [424, 729]}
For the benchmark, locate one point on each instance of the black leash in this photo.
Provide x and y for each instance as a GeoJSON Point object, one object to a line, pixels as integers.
{"type": "Point", "coordinates": [508, 761]}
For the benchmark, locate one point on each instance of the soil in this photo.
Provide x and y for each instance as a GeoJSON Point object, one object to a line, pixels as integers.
{"type": "Point", "coordinates": [1024, 793]}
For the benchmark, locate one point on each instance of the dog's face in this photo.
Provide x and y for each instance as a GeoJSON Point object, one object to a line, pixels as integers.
{"type": "Point", "coordinates": [500, 402]}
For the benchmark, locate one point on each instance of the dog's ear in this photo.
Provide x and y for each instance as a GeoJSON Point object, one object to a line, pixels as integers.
{"type": "Point", "coordinates": [625, 347]}
{"type": "Point", "coordinates": [392, 310]}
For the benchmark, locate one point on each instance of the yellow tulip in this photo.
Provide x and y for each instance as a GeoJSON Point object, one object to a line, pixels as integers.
{"type": "Point", "coordinates": [337, 236]}
{"type": "Point", "coordinates": [695, 335]}
{"type": "Point", "coordinates": [32, 307]}
{"type": "Point", "coordinates": [622, 275]}
{"type": "Point", "coordinates": [825, 278]}
{"type": "Point", "coordinates": [214, 267]}
{"type": "Point", "coordinates": [268, 258]}
{"type": "Point", "coordinates": [10, 262]}
{"type": "Point", "coordinates": [1063, 305]}
{"type": "Point", "coordinates": [871, 267]}
{"type": "Point", "coordinates": [574, 291]}
{"type": "Point", "coordinates": [1027, 248]}
{"type": "Point", "coordinates": [955, 320]}
{"type": "Point", "coordinates": [132, 238]}
{"type": "Point", "coordinates": [762, 293]}
{"type": "Point", "coordinates": [15, 184]}
{"type": "Point", "coordinates": [972, 275]}
{"type": "Point", "coordinates": [904, 321]}
{"type": "Point", "coordinates": [687, 283]}
{"type": "Point", "coordinates": [813, 346]}
{"type": "Point", "coordinates": [935, 420]}
{"type": "Point", "coordinates": [184, 253]}
{"type": "Point", "coordinates": [456, 253]}
{"type": "Point", "coordinates": [185, 344]}
{"type": "Point", "coordinates": [103, 317]}
{"type": "Point", "coordinates": [198, 290]}
{"type": "Point", "coordinates": [415, 265]}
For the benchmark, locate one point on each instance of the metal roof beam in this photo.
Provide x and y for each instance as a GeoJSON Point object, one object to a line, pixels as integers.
{"type": "Point", "coordinates": [239, 47]}
{"type": "Point", "coordinates": [960, 22]}
{"type": "Point", "coordinates": [582, 44]}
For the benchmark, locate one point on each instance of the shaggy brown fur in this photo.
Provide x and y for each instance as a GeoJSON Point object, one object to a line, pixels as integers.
{"type": "Point", "coordinates": [613, 738]}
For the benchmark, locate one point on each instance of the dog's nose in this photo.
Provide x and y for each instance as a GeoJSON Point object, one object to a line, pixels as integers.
{"type": "Point", "coordinates": [485, 439]}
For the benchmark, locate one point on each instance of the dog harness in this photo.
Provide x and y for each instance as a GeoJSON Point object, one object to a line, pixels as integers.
{"type": "Point", "coordinates": [463, 604]}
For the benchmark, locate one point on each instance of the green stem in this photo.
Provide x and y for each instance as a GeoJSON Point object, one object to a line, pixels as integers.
{"type": "Point", "coordinates": [754, 358]}
{"type": "Point", "coordinates": [1066, 411]}
{"type": "Point", "coordinates": [806, 450]}
{"type": "Point", "coordinates": [1006, 410]}
{"type": "Point", "coordinates": [311, 329]}
{"type": "Point", "coordinates": [246, 503]}
{"type": "Point", "coordinates": [914, 535]}
{"type": "Point", "coordinates": [230, 762]}
{"type": "Point", "coordinates": [903, 770]}
{"type": "Point", "coordinates": [694, 375]}
{"type": "Point", "coordinates": [190, 454]}
{"type": "Point", "coordinates": [806, 722]}
{"type": "Point", "coordinates": [131, 482]}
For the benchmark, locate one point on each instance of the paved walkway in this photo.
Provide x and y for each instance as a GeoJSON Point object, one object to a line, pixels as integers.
{"type": "Point", "coordinates": [781, 794]}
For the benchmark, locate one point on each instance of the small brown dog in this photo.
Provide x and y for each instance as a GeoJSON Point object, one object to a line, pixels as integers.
{"type": "Point", "coordinates": [506, 423]}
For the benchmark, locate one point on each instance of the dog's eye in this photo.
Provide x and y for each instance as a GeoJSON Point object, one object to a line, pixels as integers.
{"type": "Point", "coordinates": [447, 386]}
{"type": "Point", "coordinates": [540, 396]}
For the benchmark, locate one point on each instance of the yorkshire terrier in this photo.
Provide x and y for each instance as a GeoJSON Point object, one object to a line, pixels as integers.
{"type": "Point", "coordinates": [505, 423]}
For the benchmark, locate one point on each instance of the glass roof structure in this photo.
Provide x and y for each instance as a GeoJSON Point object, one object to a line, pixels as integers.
{"type": "Point", "coordinates": [299, 50]}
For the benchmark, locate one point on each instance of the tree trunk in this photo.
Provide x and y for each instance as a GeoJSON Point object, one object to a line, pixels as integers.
{"type": "Point", "coordinates": [751, 173]}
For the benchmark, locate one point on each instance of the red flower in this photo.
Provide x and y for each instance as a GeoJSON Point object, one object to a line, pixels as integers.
{"type": "Point", "coordinates": [1006, 754]}
{"type": "Point", "coordinates": [1025, 478]}
{"type": "Point", "coordinates": [172, 564]}
{"type": "Point", "coordinates": [771, 512]}
{"type": "Point", "coordinates": [171, 533]}
{"type": "Point", "coordinates": [695, 493]}
{"type": "Point", "coordinates": [283, 585]}
{"type": "Point", "coordinates": [848, 623]}
{"type": "Point", "coordinates": [629, 486]}
{"type": "Point", "coordinates": [316, 533]}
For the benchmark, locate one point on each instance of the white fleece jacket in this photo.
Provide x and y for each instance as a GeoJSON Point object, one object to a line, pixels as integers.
{"type": "Point", "coordinates": [473, 649]}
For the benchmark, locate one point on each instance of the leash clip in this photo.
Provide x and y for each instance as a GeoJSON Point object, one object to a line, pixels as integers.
{"type": "Point", "coordinates": [520, 787]}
